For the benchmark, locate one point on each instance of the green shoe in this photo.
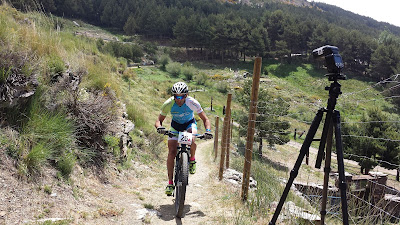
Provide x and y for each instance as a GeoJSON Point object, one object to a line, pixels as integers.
{"type": "Point", "coordinates": [192, 167]}
{"type": "Point", "coordinates": [169, 190]}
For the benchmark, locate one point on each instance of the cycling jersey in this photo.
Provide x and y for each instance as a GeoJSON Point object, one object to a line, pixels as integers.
{"type": "Point", "coordinates": [184, 113]}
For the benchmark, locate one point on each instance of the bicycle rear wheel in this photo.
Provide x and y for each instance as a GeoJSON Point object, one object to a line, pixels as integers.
{"type": "Point", "coordinates": [182, 177]}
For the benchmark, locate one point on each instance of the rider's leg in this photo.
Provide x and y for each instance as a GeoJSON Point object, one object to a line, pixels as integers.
{"type": "Point", "coordinates": [193, 146]}
{"type": "Point", "coordinates": [172, 145]}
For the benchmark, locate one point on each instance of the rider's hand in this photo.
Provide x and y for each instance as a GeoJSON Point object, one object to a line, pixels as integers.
{"type": "Point", "coordinates": [161, 130]}
{"type": "Point", "coordinates": [208, 135]}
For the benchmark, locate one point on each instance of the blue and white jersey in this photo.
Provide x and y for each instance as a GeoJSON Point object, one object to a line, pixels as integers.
{"type": "Point", "coordinates": [184, 113]}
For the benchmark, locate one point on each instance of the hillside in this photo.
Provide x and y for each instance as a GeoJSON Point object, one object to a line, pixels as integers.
{"type": "Point", "coordinates": [80, 93]}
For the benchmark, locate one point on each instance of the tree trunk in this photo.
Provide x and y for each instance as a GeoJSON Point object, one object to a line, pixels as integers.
{"type": "Point", "coordinates": [260, 147]}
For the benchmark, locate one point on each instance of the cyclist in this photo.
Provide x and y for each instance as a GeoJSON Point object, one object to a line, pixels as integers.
{"type": "Point", "coordinates": [182, 108]}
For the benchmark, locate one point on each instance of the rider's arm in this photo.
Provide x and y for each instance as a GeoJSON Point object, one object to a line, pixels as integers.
{"type": "Point", "coordinates": [205, 119]}
{"type": "Point", "coordinates": [159, 121]}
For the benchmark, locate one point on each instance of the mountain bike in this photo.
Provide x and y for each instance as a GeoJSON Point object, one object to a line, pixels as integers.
{"type": "Point", "coordinates": [181, 177]}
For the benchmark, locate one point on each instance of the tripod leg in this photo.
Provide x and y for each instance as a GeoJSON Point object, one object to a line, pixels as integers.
{"type": "Point", "coordinates": [293, 174]}
{"type": "Point", "coordinates": [327, 170]}
{"type": "Point", "coordinates": [342, 177]}
{"type": "Point", "coordinates": [320, 156]}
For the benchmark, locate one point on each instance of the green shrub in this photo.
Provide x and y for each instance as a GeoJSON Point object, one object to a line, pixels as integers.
{"type": "Point", "coordinates": [66, 164]}
{"type": "Point", "coordinates": [265, 70]}
{"type": "Point", "coordinates": [188, 72]}
{"type": "Point", "coordinates": [222, 87]}
{"type": "Point", "coordinates": [163, 60]}
{"type": "Point", "coordinates": [56, 65]}
{"type": "Point", "coordinates": [201, 78]}
{"type": "Point", "coordinates": [46, 136]}
{"type": "Point", "coordinates": [174, 69]}
{"type": "Point", "coordinates": [113, 145]}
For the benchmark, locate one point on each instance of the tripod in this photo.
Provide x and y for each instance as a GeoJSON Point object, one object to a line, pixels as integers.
{"type": "Point", "coordinates": [332, 120]}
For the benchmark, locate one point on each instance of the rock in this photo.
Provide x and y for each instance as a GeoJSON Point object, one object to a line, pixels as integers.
{"type": "Point", "coordinates": [142, 213]}
{"type": "Point", "coordinates": [234, 177]}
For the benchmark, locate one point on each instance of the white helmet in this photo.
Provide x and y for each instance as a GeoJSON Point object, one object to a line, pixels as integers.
{"type": "Point", "coordinates": [180, 88]}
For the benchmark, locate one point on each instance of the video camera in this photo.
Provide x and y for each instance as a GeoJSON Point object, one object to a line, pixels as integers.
{"type": "Point", "coordinates": [333, 59]}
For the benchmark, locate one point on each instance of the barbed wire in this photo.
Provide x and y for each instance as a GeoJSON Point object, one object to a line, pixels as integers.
{"type": "Point", "coordinates": [376, 160]}
{"type": "Point", "coordinates": [374, 206]}
{"type": "Point", "coordinates": [367, 137]}
{"type": "Point", "coordinates": [387, 80]}
{"type": "Point", "coordinates": [346, 95]}
{"type": "Point", "coordinates": [389, 121]}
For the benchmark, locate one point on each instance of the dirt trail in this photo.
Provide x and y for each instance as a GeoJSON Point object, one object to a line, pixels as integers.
{"type": "Point", "coordinates": [134, 196]}
{"type": "Point", "coordinates": [201, 205]}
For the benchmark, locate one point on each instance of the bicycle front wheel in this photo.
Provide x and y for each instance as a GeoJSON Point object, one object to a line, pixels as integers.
{"type": "Point", "coordinates": [182, 176]}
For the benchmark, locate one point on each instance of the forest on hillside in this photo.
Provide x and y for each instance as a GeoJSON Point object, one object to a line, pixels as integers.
{"type": "Point", "coordinates": [235, 31]}
{"type": "Point", "coordinates": [226, 30]}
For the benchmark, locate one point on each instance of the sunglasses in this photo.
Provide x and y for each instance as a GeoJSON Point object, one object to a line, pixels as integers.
{"type": "Point", "coordinates": [179, 97]}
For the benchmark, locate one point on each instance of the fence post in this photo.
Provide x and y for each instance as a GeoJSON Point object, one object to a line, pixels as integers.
{"type": "Point", "coordinates": [228, 133]}
{"type": "Point", "coordinates": [216, 137]}
{"type": "Point", "coordinates": [224, 140]}
{"type": "Point", "coordinates": [211, 104]}
{"type": "Point", "coordinates": [251, 127]}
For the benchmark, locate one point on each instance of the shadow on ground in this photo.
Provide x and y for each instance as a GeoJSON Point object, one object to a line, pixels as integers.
{"type": "Point", "coordinates": [168, 213]}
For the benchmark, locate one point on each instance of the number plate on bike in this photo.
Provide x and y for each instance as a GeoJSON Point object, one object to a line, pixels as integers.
{"type": "Point", "coordinates": [185, 138]}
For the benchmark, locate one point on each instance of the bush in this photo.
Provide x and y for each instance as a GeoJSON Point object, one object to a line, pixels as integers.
{"type": "Point", "coordinates": [201, 78]}
{"type": "Point", "coordinates": [265, 70]}
{"type": "Point", "coordinates": [174, 69]}
{"type": "Point", "coordinates": [56, 65]}
{"type": "Point", "coordinates": [66, 164]}
{"type": "Point", "coordinates": [113, 145]}
{"type": "Point", "coordinates": [222, 87]}
{"type": "Point", "coordinates": [188, 72]}
{"type": "Point", "coordinates": [163, 60]}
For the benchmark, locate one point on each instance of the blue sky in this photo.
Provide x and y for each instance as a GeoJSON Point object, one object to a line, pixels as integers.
{"type": "Point", "coordinates": [380, 10]}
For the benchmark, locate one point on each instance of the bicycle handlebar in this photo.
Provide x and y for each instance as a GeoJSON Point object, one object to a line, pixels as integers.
{"type": "Point", "coordinates": [175, 133]}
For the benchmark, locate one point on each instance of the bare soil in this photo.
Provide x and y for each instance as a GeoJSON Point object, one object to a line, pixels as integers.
{"type": "Point", "coordinates": [134, 196]}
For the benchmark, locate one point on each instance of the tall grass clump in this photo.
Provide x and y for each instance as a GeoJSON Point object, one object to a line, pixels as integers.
{"type": "Point", "coordinates": [47, 137]}
{"type": "Point", "coordinates": [174, 68]}
{"type": "Point", "coordinates": [137, 115]}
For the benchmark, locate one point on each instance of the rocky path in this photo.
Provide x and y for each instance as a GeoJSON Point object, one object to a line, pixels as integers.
{"type": "Point", "coordinates": [134, 196]}
{"type": "Point", "coordinates": [202, 205]}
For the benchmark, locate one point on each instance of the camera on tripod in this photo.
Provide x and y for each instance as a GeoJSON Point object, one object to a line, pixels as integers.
{"type": "Point", "coordinates": [333, 60]}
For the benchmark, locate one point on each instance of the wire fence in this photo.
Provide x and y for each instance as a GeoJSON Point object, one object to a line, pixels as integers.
{"type": "Point", "coordinates": [371, 198]}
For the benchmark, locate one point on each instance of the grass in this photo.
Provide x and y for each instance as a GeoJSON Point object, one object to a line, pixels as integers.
{"type": "Point", "coordinates": [47, 137]}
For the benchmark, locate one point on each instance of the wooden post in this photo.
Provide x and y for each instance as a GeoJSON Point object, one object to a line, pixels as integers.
{"type": "Point", "coordinates": [216, 137]}
{"type": "Point", "coordinates": [251, 127]}
{"type": "Point", "coordinates": [295, 132]}
{"type": "Point", "coordinates": [229, 133]}
{"type": "Point", "coordinates": [211, 104]}
{"type": "Point", "coordinates": [225, 133]}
